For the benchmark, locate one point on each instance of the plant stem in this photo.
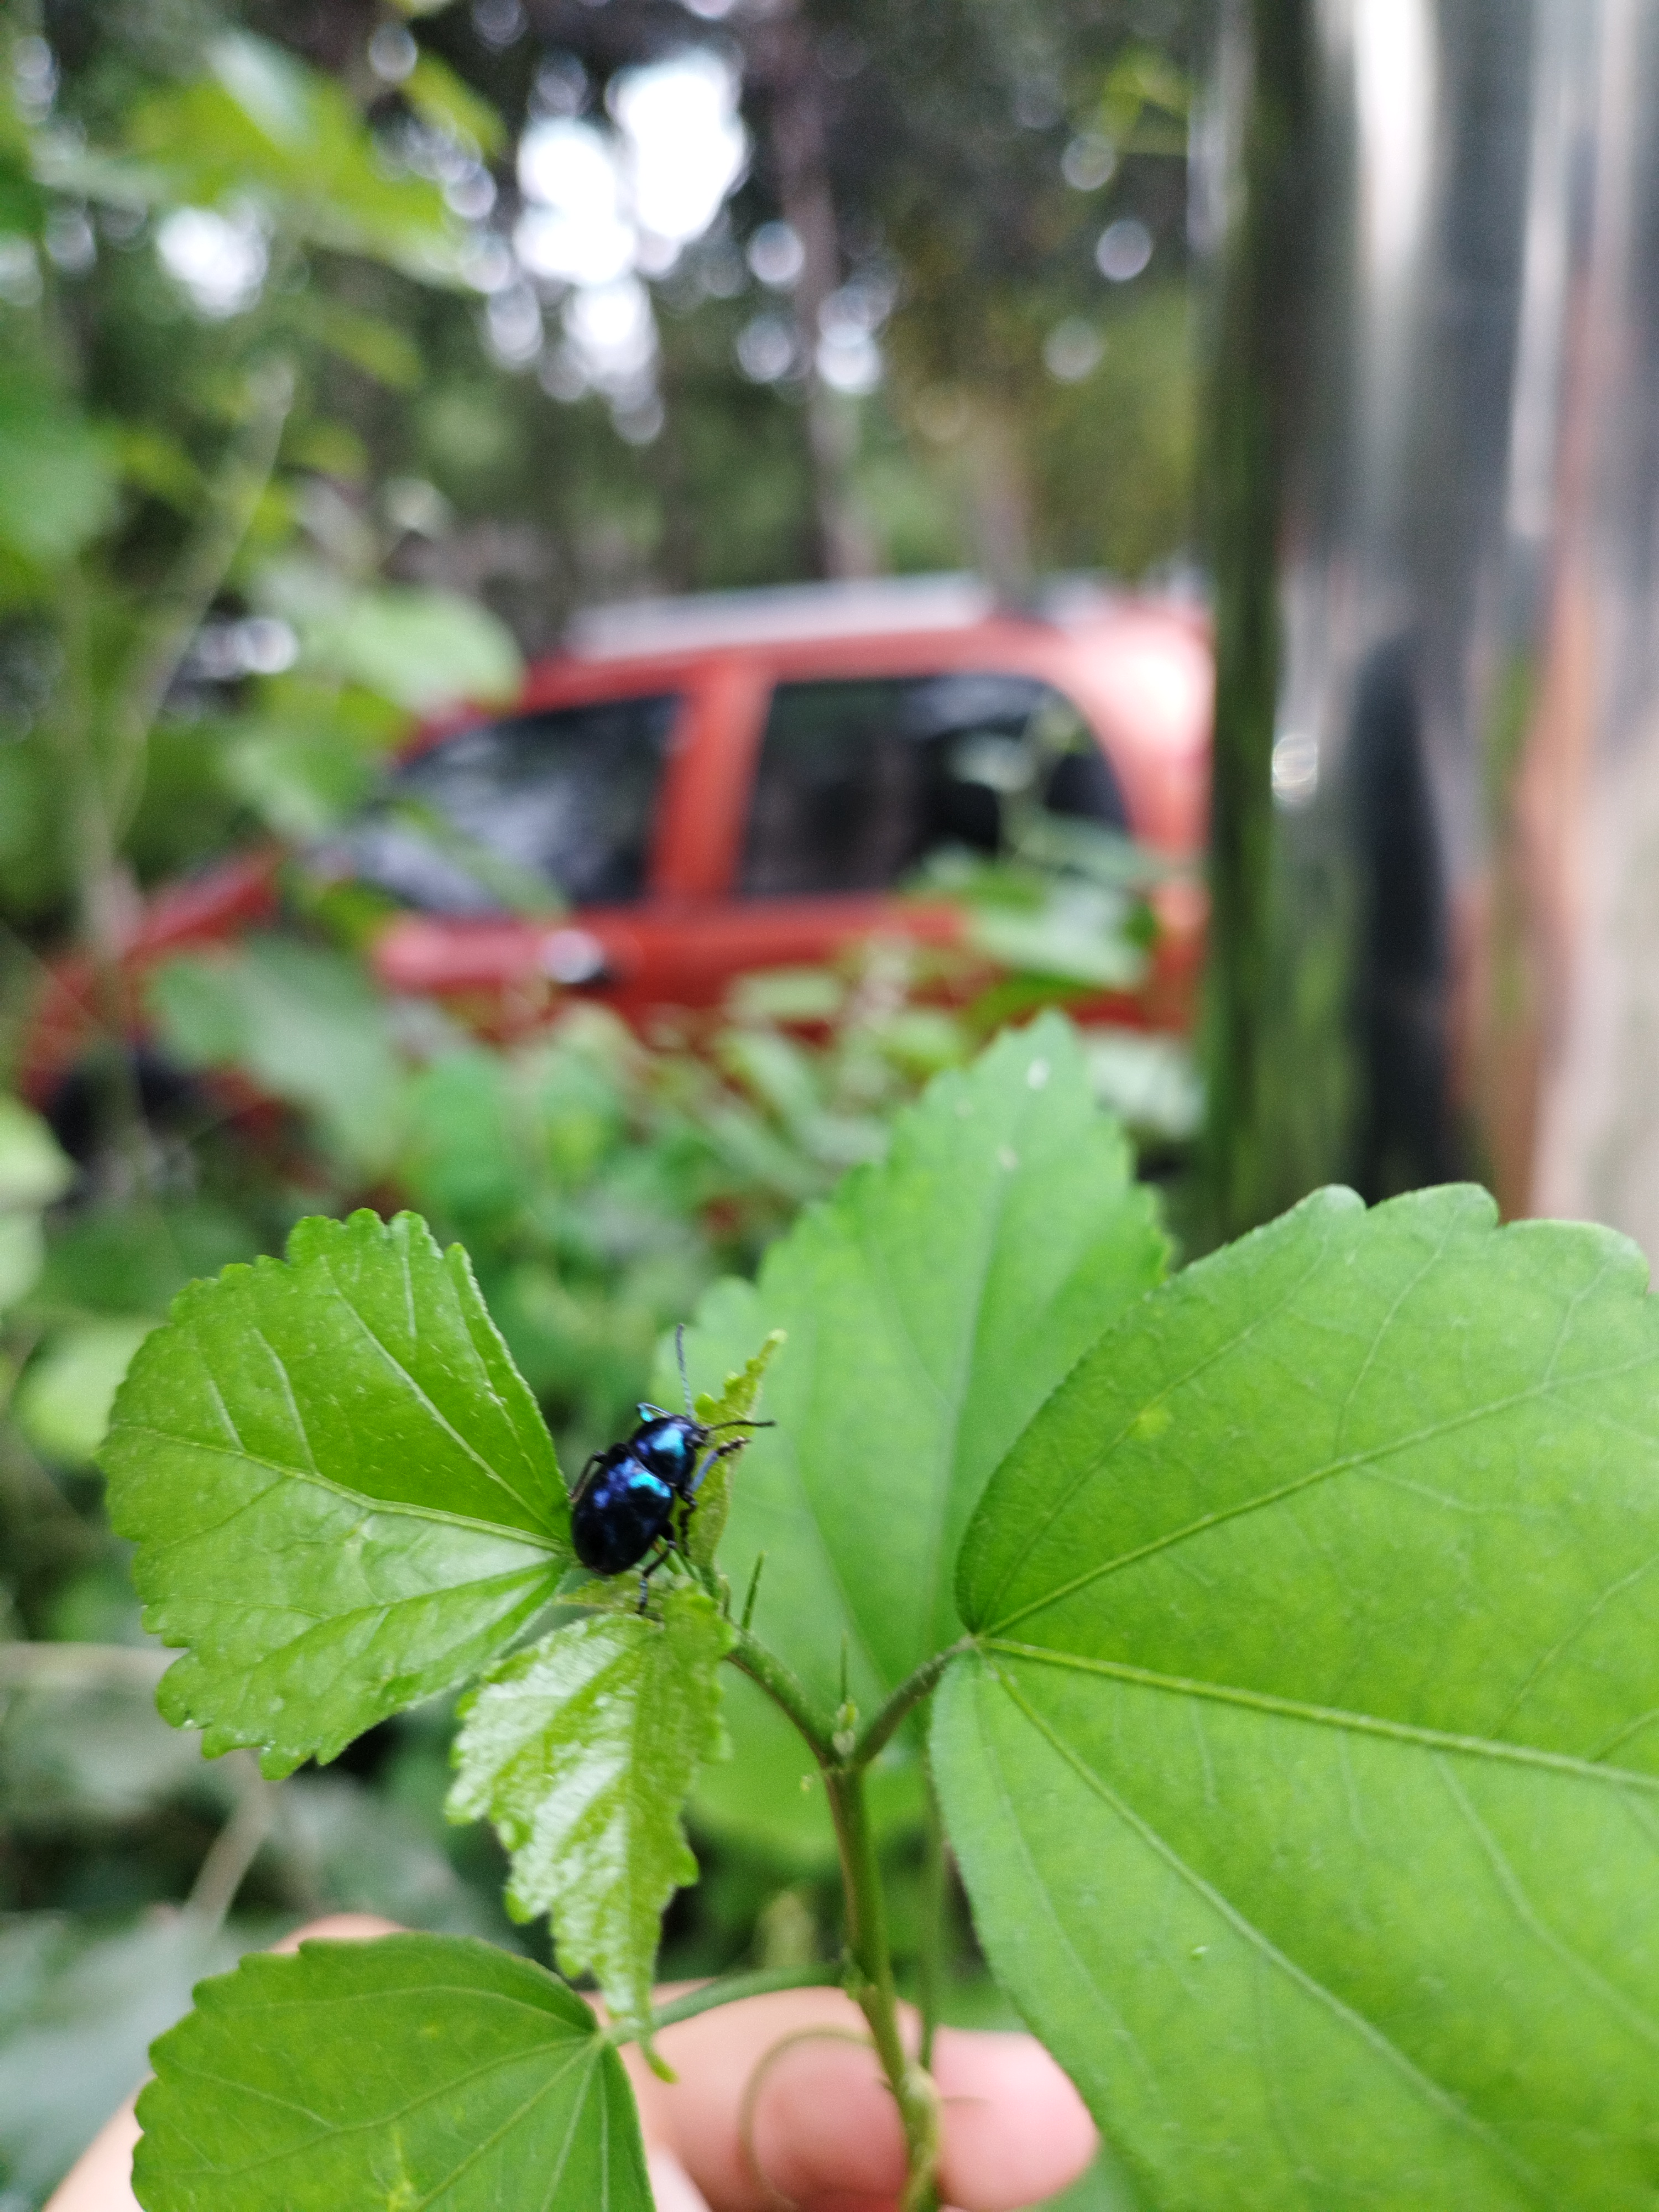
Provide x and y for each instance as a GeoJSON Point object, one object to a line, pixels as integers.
{"type": "Point", "coordinates": [869, 1978]}
{"type": "Point", "coordinates": [102, 741]}
{"type": "Point", "coordinates": [930, 1970]}
{"type": "Point", "coordinates": [873, 1990]}
{"type": "Point", "coordinates": [234, 1850]}
{"type": "Point", "coordinates": [752, 1658]}
{"type": "Point", "coordinates": [732, 1989]}
{"type": "Point", "coordinates": [233, 494]}
{"type": "Point", "coordinates": [81, 1665]}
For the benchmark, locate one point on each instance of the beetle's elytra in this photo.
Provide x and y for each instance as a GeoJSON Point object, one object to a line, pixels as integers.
{"type": "Point", "coordinates": [632, 1499]}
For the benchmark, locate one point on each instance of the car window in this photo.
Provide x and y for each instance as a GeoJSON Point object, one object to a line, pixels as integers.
{"type": "Point", "coordinates": [861, 781]}
{"type": "Point", "coordinates": [564, 798]}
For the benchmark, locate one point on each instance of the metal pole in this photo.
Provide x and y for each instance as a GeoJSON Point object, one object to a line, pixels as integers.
{"type": "Point", "coordinates": [1435, 502]}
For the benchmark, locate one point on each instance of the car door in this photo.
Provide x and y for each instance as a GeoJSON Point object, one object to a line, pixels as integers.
{"type": "Point", "coordinates": [866, 789]}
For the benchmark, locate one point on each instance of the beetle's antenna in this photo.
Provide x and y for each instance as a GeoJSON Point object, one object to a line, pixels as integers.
{"type": "Point", "coordinates": [754, 1591]}
{"type": "Point", "coordinates": [685, 1379]}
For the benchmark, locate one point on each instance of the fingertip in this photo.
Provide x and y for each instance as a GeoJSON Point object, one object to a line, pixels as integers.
{"type": "Point", "coordinates": [339, 1928]}
{"type": "Point", "coordinates": [1014, 2131]}
{"type": "Point", "coordinates": [100, 2180]}
{"type": "Point", "coordinates": [672, 2189]}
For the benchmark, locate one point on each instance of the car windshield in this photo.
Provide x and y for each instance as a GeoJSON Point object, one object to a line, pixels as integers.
{"type": "Point", "coordinates": [501, 814]}
{"type": "Point", "coordinates": [861, 783]}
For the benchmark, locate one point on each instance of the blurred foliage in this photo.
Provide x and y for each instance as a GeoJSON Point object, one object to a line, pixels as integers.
{"type": "Point", "coordinates": [251, 525]}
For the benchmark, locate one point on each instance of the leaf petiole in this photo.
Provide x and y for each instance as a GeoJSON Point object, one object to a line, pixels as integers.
{"type": "Point", "coordinates": [886, 1724]}
{"type": "Point", "coordinates": [732, 1988]}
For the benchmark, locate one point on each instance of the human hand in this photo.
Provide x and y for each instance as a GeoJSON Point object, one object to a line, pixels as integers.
{"type": "Point", "coordinates": [823, 2135]}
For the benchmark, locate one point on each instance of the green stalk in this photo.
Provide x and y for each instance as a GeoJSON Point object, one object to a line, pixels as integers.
{"type": "Point", "coordinates": [751, 1658]}
{"type": "Point", "coordinates": [842, 1759]}
{"type": "Point", "coordinates": [871, 1989]}
{"type": "Point", "coordinates": [182, 605]}
{"type": "Point", "coordinates": [732, 1988]}
{"type": "Point", "coordinates": [930, 1970]}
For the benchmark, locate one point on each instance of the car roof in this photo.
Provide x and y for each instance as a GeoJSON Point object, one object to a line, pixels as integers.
{"type": "Point", "coordinates": [804, 614]}
{"type": "Point", "coordinates": [1137, 665]}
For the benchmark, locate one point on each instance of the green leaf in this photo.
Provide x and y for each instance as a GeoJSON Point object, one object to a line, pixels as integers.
{"type": "Point", "coordinates": [423, 648]}
{"type": "Point", "coordinates": [57, 485]}
{"type": "Point", "coordinates": [22, 1256]}
{"type": "Point", "coordinates": [264, 127]}
{"type": "Point", "coordinates": [929, 1308]}
{"type": "Point", "coordinates": [63, 1401]}
{"type": "Point", "coordinates": [449, 104]}
{"type": "Point", "coordinates": [303, 782]}
{"type": "Point", "coordinates": [581, 1751]}
{"type": "Point", "coordinates": [416, 2070]}
{"type": "Point", "coordinates": [1076, 935]}
{"type": "Point", "coordinates": [33, 1170]}
{"type": "Point", "coordinates": [1304, 1786]}
{"type": "Point", "coordinates": [343, 1497]}
{"type": "Point", "coordinates": [33, 1173]}
{"type": "Point", "coordinates": [152, 462]}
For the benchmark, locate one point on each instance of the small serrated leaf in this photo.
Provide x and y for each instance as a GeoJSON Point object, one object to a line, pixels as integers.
{"type": "Point", "coordinates": [581, 1750]}
{"type": "Point", "coordinates": [343, 1497]}
{"type": "Point", "coordinates": [736, 1402]}
{"type": "Point", "coordinates": [415, 2070]}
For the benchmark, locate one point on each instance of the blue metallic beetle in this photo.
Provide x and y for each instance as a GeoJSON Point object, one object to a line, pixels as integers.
{"type": "Point", "coordinates": [635, 1496]}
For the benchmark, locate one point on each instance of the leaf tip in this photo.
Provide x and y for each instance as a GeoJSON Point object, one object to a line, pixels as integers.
{"type": "Point", "coordinates": [653, 2058]}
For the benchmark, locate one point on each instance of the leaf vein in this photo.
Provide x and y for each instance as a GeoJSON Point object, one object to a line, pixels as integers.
{"type": "Point", "coordinates": [1432, 2092]}
{"type": "Point", "coordinates": [536, 1539]}
{"type": "Point", "coordinates": [1349, 1463]}
{"type": "Point", "coordinates": [1263, 1701]}
{"type": "Point", "coordinates": [467, 1448]}
{"type": "Point", "coordinates": [1527, 1914]}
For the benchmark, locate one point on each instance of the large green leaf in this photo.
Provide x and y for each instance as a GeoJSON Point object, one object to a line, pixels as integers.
{"type": "Point", "coordinates": [1305, 1783]}
{"type": "Point", "coordinates": [416, 2070]}
{"type": "Point", "coordinates": [581, 1751]}
{"type": "Point", "coordinates": [343, 1497]}
{"type": "Point", "coordinates": [928, 1308]}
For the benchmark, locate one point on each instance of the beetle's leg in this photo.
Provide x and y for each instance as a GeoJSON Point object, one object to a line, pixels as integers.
{"type": "Point", "coordinates": [592, 1461]}
{"type": "Point", "coordinates": [721, 1451]}
{"type": "Point", "coordinates": [661, 1412]}
{"type": "Point", "coordinates": [645, 1573]}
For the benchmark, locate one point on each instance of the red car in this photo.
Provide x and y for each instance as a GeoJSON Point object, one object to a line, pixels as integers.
{"type": "Point", "coordinates": [720, 785]}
